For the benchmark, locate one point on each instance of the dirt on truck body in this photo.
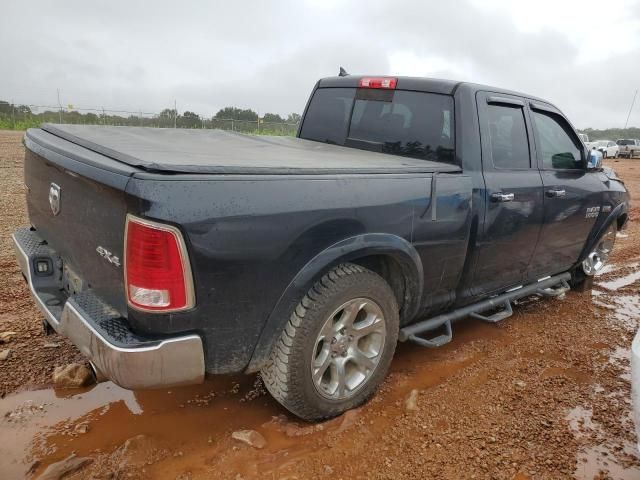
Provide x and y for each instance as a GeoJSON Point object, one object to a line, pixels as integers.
{"type": "Point", "coordinates": [543, 394]}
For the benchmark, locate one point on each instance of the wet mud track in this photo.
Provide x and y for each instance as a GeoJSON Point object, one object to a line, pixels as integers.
{"type": "Point", "coordinates": [543, 394]}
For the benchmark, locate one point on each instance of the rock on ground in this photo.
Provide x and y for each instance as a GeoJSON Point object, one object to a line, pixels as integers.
{"type": "Point", "coordinates": [250, 437]}
{"type": "Point", "coordinates": [6, 336]}
{"type": "Point", "coordinates": [73, 375]}
{"type": "Point", "coordinates": [60, 469]}
{"type": "Point", "coordinates": [411, 403]}
{"type": "Point", "coordinates": [4, 354]}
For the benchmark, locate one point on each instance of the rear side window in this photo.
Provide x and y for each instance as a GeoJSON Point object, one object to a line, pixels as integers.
{"type": "Point", "coordinates": [508, 136]}
{"type": "Point", "coordinates": [327, 117]}
{"type": "Point", "coordinates": [399, 122]}
{"type": "Point", "coordinates": [556, 143]}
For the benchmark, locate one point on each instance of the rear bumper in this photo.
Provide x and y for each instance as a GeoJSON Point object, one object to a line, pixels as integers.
{"type": "Point", "coordinates": [100, 333]}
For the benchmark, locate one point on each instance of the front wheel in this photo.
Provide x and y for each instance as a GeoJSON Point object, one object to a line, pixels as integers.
{"type": "Point", "coordinates": [604, 154]}
{"type": "Point", "coordinates": [337, 345]}
{"type": "Point", "coordinates": [599, 255]}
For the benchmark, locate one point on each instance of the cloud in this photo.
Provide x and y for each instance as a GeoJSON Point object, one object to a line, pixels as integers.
{"type": "Point", "coordinates": [134, 55]}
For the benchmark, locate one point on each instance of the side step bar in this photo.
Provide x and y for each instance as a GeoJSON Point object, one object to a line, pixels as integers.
{"type": "Point", "coordinates": [552, 286]}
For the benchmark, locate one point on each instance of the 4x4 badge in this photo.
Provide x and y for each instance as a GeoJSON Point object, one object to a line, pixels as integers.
{"type": "Point", "coordinates": [54, 198]}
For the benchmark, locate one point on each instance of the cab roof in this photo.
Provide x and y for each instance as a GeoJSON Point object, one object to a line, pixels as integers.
{"type": "Point", "coordinates": [421, 84]}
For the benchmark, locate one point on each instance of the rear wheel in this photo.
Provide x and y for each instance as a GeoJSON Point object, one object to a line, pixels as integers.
{"type": "Point", "coordinates": [604, 154]}
{"type": "Point", "coordinates": [337, 345]}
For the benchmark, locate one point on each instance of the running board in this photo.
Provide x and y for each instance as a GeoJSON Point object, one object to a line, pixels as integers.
{"type": "Point", "coordinates": [555, 291]}
{"type": "Point", "coordinates": [506, 312]}
{"type": "Point", "coordinates": [434, 342]}
{"type": "Point", "coordinates": [552, 286]}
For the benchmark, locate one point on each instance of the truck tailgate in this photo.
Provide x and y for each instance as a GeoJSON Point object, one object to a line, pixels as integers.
{"type": "Point", "coordinates": [79, 210]}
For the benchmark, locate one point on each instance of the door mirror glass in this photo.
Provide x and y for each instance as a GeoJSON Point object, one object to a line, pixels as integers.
{"type": "Point", "coordinates": [594, 161]}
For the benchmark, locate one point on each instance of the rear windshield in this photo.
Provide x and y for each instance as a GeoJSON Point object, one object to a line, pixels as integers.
{"type": "Point", "coordinates": [412, 124]}
{"type": "Point", "coordinates": [626, 142]}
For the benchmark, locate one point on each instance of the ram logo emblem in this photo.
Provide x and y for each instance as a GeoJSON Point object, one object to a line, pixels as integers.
{"type": "Point", "coordinates": [54, 198]}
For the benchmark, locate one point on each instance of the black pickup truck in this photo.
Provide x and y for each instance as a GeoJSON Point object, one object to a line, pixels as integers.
{"type": "Point", "coordinates": [402, 204]}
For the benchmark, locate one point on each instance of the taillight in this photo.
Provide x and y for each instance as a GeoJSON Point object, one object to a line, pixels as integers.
{"type": "Point", "coordinates": [157, 272]}
{"type": "Point", "coordinates": [378, 82]}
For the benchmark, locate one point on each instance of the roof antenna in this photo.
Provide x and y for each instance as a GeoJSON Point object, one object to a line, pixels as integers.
{"type": "Point", "coordinates": [343, 73]}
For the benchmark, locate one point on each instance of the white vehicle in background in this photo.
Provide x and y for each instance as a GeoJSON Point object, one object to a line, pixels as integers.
{"type": "Point", "coordinates": [609, 149]}
{"type": "Point", "coordinates": [629, 147]}
{"type": "Point", "coordinates": [584, 137]}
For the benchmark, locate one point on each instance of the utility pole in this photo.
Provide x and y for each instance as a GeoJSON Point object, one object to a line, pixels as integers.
{"type": "Point", "coordinates": [103, 117]}
{"type": "Point", "coordinates": [630, 109]}
{"type": "Point", "coordinates": [59, 106]}
{"type": "Point", "coordinates": [13, 114]}
{"type": "Point", "coordinates": [175, 114]}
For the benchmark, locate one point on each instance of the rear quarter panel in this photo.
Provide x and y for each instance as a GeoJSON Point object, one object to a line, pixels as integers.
{"type": "Point", "coordinates": [248, 237]}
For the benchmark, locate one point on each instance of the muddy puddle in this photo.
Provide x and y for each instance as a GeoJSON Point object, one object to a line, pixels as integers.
{"type": "Point", "coordinates": [595, 458]}
{"type": "Point", "coordinates": [189, 428]}
{"type": "Point", "coordinates": [186, 432]}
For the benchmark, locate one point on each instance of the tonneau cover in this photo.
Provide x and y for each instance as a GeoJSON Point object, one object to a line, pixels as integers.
{"type": "Point", "coordinates": [223, 152]}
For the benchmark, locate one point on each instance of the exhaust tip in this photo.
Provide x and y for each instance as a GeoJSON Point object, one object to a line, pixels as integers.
{"type": "Point", "coordinates": [98, 376]}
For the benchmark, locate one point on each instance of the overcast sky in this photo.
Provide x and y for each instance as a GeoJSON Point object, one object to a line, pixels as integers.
{"type": "Point", "coordinates": [584, 55]}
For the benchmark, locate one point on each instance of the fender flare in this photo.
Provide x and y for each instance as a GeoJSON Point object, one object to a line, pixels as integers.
{"type": "Point", "coordinates": [619, 210]}
{"type": "Point", "coordinates": [344, 251]}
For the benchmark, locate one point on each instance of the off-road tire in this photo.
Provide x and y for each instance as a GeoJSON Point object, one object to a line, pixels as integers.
{"type": "Point", "coordinates": [287, 375]}
{"type": "Point", "coordinates": [580, 282]}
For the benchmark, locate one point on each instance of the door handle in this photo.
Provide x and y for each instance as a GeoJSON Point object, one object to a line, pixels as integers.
{"type": "Point", "coordinates": [556, 193]}
{"type": "Point", "coordinates": [502, 197]}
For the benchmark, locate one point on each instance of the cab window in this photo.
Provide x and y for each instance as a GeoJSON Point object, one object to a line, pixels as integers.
{"type": "Point", "coordinates": [508, 137]}
{"type": "Point", "coordinates": [557, 144]}
{"type": "Point", "coordinates": [407, 123]}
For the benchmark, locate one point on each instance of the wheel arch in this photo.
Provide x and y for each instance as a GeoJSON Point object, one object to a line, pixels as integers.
{"type": "Point", "coordinates": [391, 256]}
{"type": "Point", "coordinates": [619, 215]}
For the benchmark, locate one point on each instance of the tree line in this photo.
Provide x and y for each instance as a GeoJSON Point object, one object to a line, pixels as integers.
{"type": "Point", "coordinates": [19, 117]}
{"type": "Point", "coordinates": [612, 133]}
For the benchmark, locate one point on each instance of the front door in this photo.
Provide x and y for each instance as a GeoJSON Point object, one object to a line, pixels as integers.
{"type": "Point", "coordinates": [573, 195]}
{"type": "Point", "coordinates": [513, 195]}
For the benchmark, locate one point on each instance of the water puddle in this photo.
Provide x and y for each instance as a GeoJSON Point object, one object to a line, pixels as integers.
{"type": "Point", "coordinates": [594, 459]}
{"type": "Point", "coordinates": [621, 282]}
{"type": "Point", "coordinates": [42, 424]}
{"type": "Point", "coordinates": [571, 373]}
{"type": "Point", "coordinates": [189, 429]}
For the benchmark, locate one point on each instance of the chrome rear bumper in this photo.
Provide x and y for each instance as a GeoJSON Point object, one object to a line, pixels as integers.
{"type": "Point", "coordinates": [100, 332]}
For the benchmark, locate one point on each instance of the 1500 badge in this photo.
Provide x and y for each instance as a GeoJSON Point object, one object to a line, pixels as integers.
{"type": "Point", "coordinates": [107, 255]}
{"type": "Point", "coordinates": [592, 212]}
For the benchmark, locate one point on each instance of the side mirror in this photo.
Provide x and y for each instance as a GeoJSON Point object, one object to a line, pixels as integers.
{"type": "Point", "coordinates": [594, 160]}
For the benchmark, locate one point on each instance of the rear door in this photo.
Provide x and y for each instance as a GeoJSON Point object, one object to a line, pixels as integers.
{"type": "Point", "coordinates": [514, 206]}
{"type": "Point", "coordinates": [572, 195]}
